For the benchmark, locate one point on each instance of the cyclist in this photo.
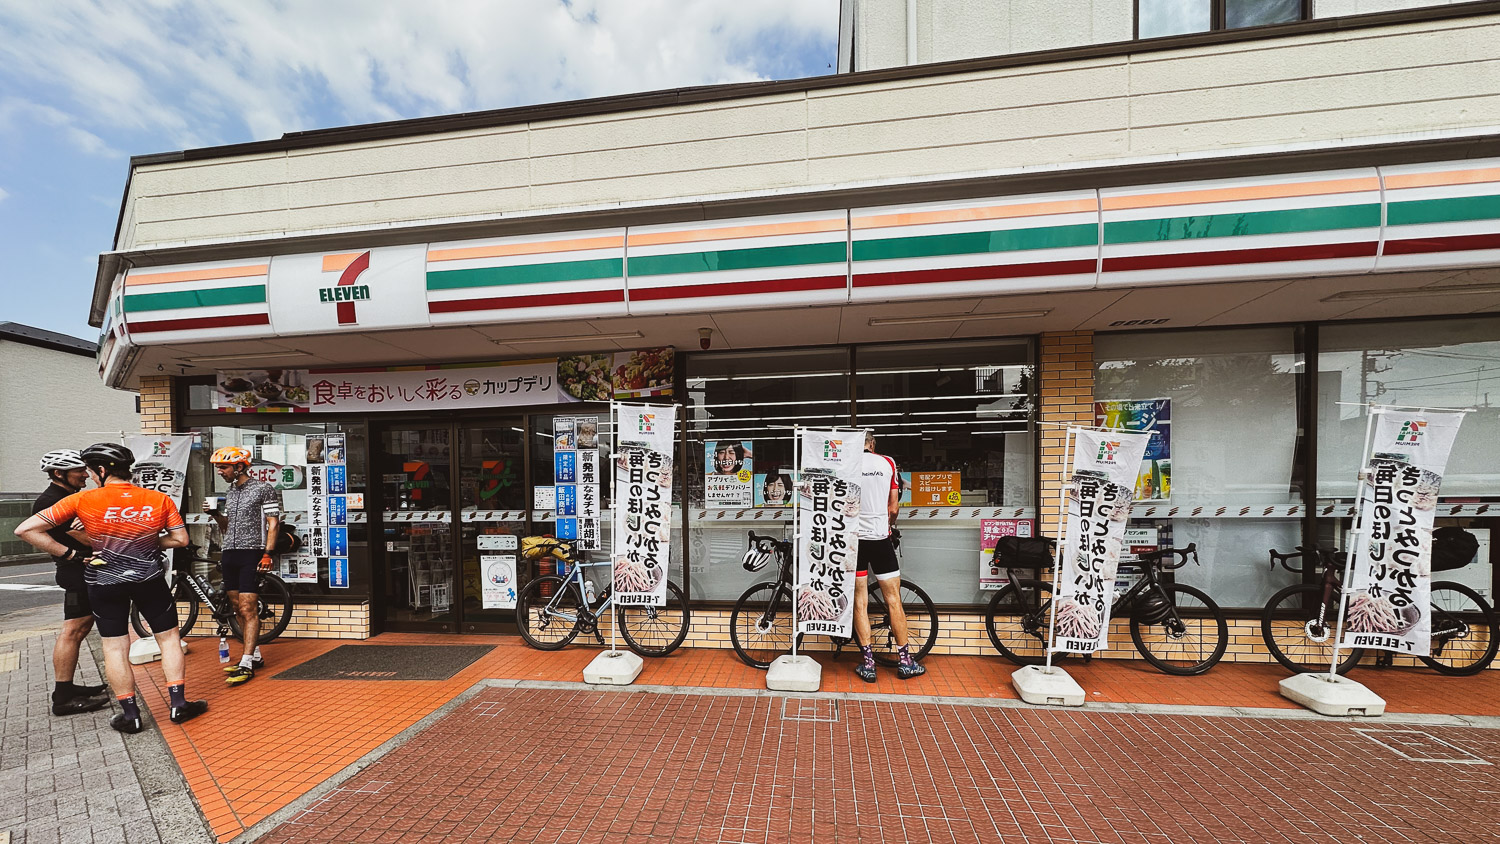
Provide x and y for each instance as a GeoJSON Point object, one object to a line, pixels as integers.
{"type": "Point", "coordinates": [67, 474]}
{"type": "Point", "coordinates": [250, 522]}
{"type": "Point", "coordinates": [879, 502]}
{"type": "Point", "coordinates": [128, 528]}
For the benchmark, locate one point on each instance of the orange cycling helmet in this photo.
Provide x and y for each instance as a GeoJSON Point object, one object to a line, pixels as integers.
{"type": "Point", "coordinates": [231, 454]}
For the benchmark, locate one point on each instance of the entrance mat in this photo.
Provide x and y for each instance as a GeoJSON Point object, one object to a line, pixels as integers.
{"type": "Point", "coordinates": [387, 662]}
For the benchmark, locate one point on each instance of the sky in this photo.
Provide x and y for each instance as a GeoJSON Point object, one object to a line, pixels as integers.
{"type": "Point", "coordinates": [86, 84]}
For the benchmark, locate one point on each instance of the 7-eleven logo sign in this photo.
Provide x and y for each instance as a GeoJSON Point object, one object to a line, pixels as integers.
{"type": "Point", "coordinates": [348, 290]}
{"type": "Point", "coordinates": [1411, 431]}
{"type": "Point", "coordinates": [1107, 451]}
{"type": "Point", "coordinates": [646, 424]}
{"type": "Point", "coordinates": [831, 449]}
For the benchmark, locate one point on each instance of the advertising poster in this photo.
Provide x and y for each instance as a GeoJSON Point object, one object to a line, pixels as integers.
{"type": "Point", "coordinates": [775, 488]}
{"type": "Point", "coordinates": [1105, 465]}
{"type": "Point", "coordinates": [934, 489]}
{"type": "Point", "coordinates": [1153, 482]}
{"type": "Point", "coordinates": [299, 568]}
{"type": "Point", "coordinates": [729, 470]}
{"type": "Point", "coordinates": [338, 573]}
{"type": "Point", "coordinates": [992, 576]}
{"type": "Point", "coordinates": [828, 530]}
{"type": "Point", "coordinates": [161, 463]}
{"type": "Point", "coordinates": [336, 451]}
{"type": "Point", "coordinates": [498, 573]}
{"type": "Point", "coordinates": [317, 513]}
{"type": "Point", "coordinates": [1389, 605]}
{"type": "Point", "coordinates": [643, 503]}
{"type": "Point", "coordinates": [1137, 541]}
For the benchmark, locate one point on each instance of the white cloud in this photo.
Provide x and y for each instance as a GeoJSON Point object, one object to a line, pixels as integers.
{"type": "Point", "coordinates": [202, 73]}
{"type": "Point", "coordinates": [3, 194]}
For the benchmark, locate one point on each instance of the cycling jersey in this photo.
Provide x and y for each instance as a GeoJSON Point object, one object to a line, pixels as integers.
{"type": "Point", "coordinates": [123, 522]}
{"type": "Point", "coordinates": [51, 495]}
{"type": "Point", "coordinates": [877, 477]}
{"type": "Point", "coordinates": [246, 507]}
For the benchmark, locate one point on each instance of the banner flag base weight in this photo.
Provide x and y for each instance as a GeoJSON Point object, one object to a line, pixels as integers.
{"type": "Point", "coordinates": [800, 673]}
{"type": "Point", "coordinates": [1339, 696]}
{"type": "Point", "coordinates": [1043, 686]}
{"type": "Point", "coordinates": [613, 668]}
{"type": "Point", "coordinates": [146, 650]}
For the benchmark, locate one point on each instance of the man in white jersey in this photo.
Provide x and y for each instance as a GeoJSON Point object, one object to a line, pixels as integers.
{"type": "Point", "coordinates": [879, 502]}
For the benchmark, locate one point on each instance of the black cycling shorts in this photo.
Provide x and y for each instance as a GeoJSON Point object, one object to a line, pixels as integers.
{"type": "Point", "coordinates": [878, 556]}
{"type": "Point", "coordinates": [75, 591]}
{"type": "Point", "coordinates": [240, 567]}
{"type": "Point", "coordinates": [151, 597]}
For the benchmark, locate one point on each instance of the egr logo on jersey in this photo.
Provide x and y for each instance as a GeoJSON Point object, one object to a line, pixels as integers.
{"type": "Point", "coordinates": [1411, 432]}
{"type": "Point", "coordinates": [1107, 449]}
{"type": "Point", "coordinates": [346, 292]}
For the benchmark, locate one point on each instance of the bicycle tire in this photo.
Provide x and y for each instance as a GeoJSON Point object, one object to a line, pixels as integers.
{"type": "Point", "coordinates": [1289, 625]}
{"type": "Point", "coordinates": [273, 605]}
{"type": "Point", "coordinates": [760, 626]}
{"type": "Point", "coordinates": [1018, 631]}
{"type": "Point", "coordinates": [1479, 630]}
{"type": "Point", "coordinates": [534, 608]}
{"type": "Point", "coordinates": [1190, 641]}
{"type": "Point", "coordinates": [657, 630]}
{"type": "Point", "coordinates": [921, 624]}
{"type": "Point", "coordinates": [182, 594]}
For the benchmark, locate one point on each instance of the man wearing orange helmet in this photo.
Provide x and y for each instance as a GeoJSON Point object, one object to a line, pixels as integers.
{"type": "Point", "coordinates": [250, 521]}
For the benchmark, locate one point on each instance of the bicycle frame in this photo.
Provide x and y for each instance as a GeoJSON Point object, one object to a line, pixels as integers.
{"type": "Point", "coordinates": [574, 580]}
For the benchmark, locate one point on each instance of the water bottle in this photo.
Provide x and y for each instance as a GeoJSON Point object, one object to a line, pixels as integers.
{"type": "Point", "coordinates": [223, 649]}
{"type": "Point", "coordinates": [588, 591]}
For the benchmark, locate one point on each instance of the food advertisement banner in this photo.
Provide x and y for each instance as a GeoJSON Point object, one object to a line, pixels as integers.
{"type": "Point", "coordinates": [1099, 493]}
{"type": "Point", "coordinates": [161, 463]}
{"type": "Point", "coordinates": [601, 377]}
{"type": "Point", "coordinates": [1153, 483]}
{"type": "Point", "coordinates": [643, 503]}
{"type": "Point", "coordinates": [1389, 601]}
{"type": "Point", "coordinates": [729, 473]}
{"type": "Point", "coordinates": [992, 576]}
{"type": "Point", "coordinates": [828, 530]}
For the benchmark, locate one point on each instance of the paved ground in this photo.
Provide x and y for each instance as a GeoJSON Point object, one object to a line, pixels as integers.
{"type": "Point", "coordinates": [26, 586]}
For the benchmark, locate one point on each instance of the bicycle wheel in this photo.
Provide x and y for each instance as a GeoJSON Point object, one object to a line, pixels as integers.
{"type": "Point", "coordinates": [273, 605]}
{"type": "Point", "coordinates": [1018, 619]}
{"type": "Point", "coordinates": [921, 624]}
{"type": "Point", "coordinates": [655, 631]}
{"type": "Point", "coordinates": [1296, 637]}
{"type": "Point", "coordinates": [187, 611]}
{"type": "Point", "coordinates": [760, 627]}
{"type": "Point", "coordinates": [1463, 630]}
{"type": "Point", "coordinates": [1190, 639]}
{"type": "Point", "coordinates": [547, 612]}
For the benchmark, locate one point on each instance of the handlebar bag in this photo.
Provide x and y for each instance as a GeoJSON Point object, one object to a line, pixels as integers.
{"type": "Point", "coordinates": [1452, 548]}
{"type": "Point", "coordinates": [1024, 551]}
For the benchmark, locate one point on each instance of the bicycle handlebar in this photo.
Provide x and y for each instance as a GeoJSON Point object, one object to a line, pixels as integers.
{"type": "Point", "coordinates": [756, 539]}
{"type": "Point", "coordinates": [1183, 553]}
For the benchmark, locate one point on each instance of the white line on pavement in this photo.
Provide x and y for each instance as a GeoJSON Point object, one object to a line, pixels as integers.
{"type": "Point", "coordinates": [28, 587]}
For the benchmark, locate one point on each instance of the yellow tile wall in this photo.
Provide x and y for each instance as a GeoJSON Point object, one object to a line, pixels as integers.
{"type": "Point", "coordinates": [156, 404]}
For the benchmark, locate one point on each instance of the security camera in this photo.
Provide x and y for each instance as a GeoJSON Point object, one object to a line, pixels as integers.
{"type": "Point", "coordinates": [705, 338]}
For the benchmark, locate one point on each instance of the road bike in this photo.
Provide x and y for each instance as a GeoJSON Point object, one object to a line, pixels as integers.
{"type": "Point", "coordinates": [760, 626]}
{"type": "Point", "coordinates": [1299, 622]}
{"type": "Point", "coordinates": [552, 610]}
{"type": "Point", "coordinates": [193, 593]}
{"type": "Point", "coordinates": [1175, 627]}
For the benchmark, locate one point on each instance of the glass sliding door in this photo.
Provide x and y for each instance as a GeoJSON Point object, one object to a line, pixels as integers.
{"type": "Point", "coordinates": [492, 501]}
{"type": "Point", "coordinates": [416, 499]}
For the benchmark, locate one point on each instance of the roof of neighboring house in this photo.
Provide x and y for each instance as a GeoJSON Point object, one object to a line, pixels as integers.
{"type": "Point", "coordinates": [18, 333]}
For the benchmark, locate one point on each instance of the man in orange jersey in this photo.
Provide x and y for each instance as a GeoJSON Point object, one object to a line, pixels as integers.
{"type": "Point", "coordinates": [128, 528]}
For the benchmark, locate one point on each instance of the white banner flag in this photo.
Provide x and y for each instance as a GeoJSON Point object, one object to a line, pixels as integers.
{"type": "Point", "coordinates": [1099, 497]}
{"type": "Point", "coordinates": [828, 530]}
{"type": "Point", "coordinates": [1390, 593]}
{"type": "Point", "coordinates": [643, 503]}
{"type": "Point", "coordinates": [161, 463]}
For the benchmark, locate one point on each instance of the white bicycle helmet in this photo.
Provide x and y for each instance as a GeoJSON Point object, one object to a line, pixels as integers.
{"type": "Point", "coordinates": [756, 558]}
{"type": "Point", "coordinates": [62, 460]}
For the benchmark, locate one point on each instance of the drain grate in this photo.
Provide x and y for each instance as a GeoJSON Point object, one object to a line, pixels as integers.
{"type": "Point", "coordinates": [1419, 746]}
{"type": "Point", "coordinates": [810, 709]}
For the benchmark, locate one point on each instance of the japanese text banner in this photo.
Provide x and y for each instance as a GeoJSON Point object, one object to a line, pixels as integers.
{"type": "Point", "coordinates": [161, 463]}
{"type": "Point", "coordinates": [643, 503]}
{"type": "Point", "coordinates": [1390, 596]}
{"type": "Point", "coordinates": [1100, 491]}
{"type": "Point", "coordinates": [828, 530]}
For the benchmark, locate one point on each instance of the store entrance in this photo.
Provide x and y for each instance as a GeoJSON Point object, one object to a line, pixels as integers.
{"type": "Point", "coordinates": [450, 495]}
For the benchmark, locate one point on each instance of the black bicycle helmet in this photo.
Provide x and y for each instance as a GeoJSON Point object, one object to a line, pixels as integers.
{"type": "Point", "coordinates": [113, 458]}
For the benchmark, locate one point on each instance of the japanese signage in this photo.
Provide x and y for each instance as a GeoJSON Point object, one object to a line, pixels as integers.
{"type": "Point", "coordinates": [828, 530]}
{"type": "Point", "coordinates": [161, 463]}
{"type": "Point", "coordinates": [1105, 465]}
{"type": "Point", "coordinates": [1154, 480]}
{"type": "Point", "coordinates": [992, 576]}
{"type": "Point", "coordinates": [498, 573]}
{"type": "Point", "coordinates": [1389, 600]}
{"type": "Point", "coordinates": [328, 506]}
{"type": "Point", "coordinates": [576, 496]}
{"type": "Point", "coordinates": [729, 473]}
{"type": "Point", "coordinates": [643, 503]}
{"type": "Point", "coordinates": [934, 489]}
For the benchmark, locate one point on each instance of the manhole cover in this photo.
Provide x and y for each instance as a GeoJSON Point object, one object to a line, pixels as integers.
{"type": "Point", "coordinates": [1419, 746]}
{"type": "Point", "coordinates": [810, 709]}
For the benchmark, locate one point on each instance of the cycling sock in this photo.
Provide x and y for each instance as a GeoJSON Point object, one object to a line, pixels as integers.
{"type": "Point", "coordinates": [129, 707]}
{"type": "Point", "coordinates": [178, 693]}
{"type": "Point", "coordinates": [247, 661]}
{"type": "Point", "coordinates": [62, 691]}
{"type": "Point", "coordinates": [257, 653]}
{"type": "Point", "coordinates": [867, 656]}
{"type": "Point", "coordinates": [905, 655]}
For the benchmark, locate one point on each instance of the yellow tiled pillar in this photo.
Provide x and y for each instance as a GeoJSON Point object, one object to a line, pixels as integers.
{"type": "Point", "coordinates": [1066, 387]}
{"type": "Point", "coordinates": [156, 404]}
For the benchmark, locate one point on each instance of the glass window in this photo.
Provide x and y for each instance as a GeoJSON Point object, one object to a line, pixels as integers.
{"type": "Point", "coordinates": [1241, 13]}
{"type": "Point", "coordinates": [1232, 446]}
{"type": "Point", "coordinates": [1155, 18]}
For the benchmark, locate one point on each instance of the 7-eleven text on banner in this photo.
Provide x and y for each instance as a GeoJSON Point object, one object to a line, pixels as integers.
{"type": "Point", "coordinates": [1390, 595]}
{"type": "Point", "coordinates": [828, 530]}
{"type": "Point", "coordinates": [161, 463]}
{"type": "Point", "coordinates": [643, 503]}
{"type": "Point", "coordinates": [1100, 490]}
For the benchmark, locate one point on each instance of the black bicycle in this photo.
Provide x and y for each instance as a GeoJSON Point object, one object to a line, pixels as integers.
{"type": "Point", "coordinates": [193, 592]}
{"type": "Point", "coordinates": [1176, 627]}
{"type": "Point", "coordinates": [760, 626]}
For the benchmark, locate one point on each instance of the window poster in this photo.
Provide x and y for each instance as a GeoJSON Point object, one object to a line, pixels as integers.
{"type": "Point", "coordinates": [992, 576]}
{"type": "Point", "coordinates": [499, 581]}
{"type": "Point", "coordinates": [1154, 480]}
{"type": "Point", "coordinates": [775, 488]}
{"type": "Point", "coordinates": [729, 474]}
{"type": "Point", "coordinates": [934, 489]}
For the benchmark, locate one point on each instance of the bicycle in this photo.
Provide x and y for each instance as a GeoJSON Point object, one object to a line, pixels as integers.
{"type": "Point", "coordinates": [1298, 623]}
{"type": "Point", "coordinates": [1175, 627]}
{"type": "Point", "coordinates": [551, 610]}
{"type": "Point", "coordinates": [273, 601]}
{"type": "Point", "coordinates": [760, 624]}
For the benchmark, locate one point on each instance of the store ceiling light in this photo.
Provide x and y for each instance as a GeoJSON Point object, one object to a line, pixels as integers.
{"type": "Point", "coordinates": [290, 353]}
{"type": "Point", "coordinates": [1413, 292]}
{"type": "Point", "coordinates": [570, 338]}
{"type": "Point", "coordinates": [918, 320]}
